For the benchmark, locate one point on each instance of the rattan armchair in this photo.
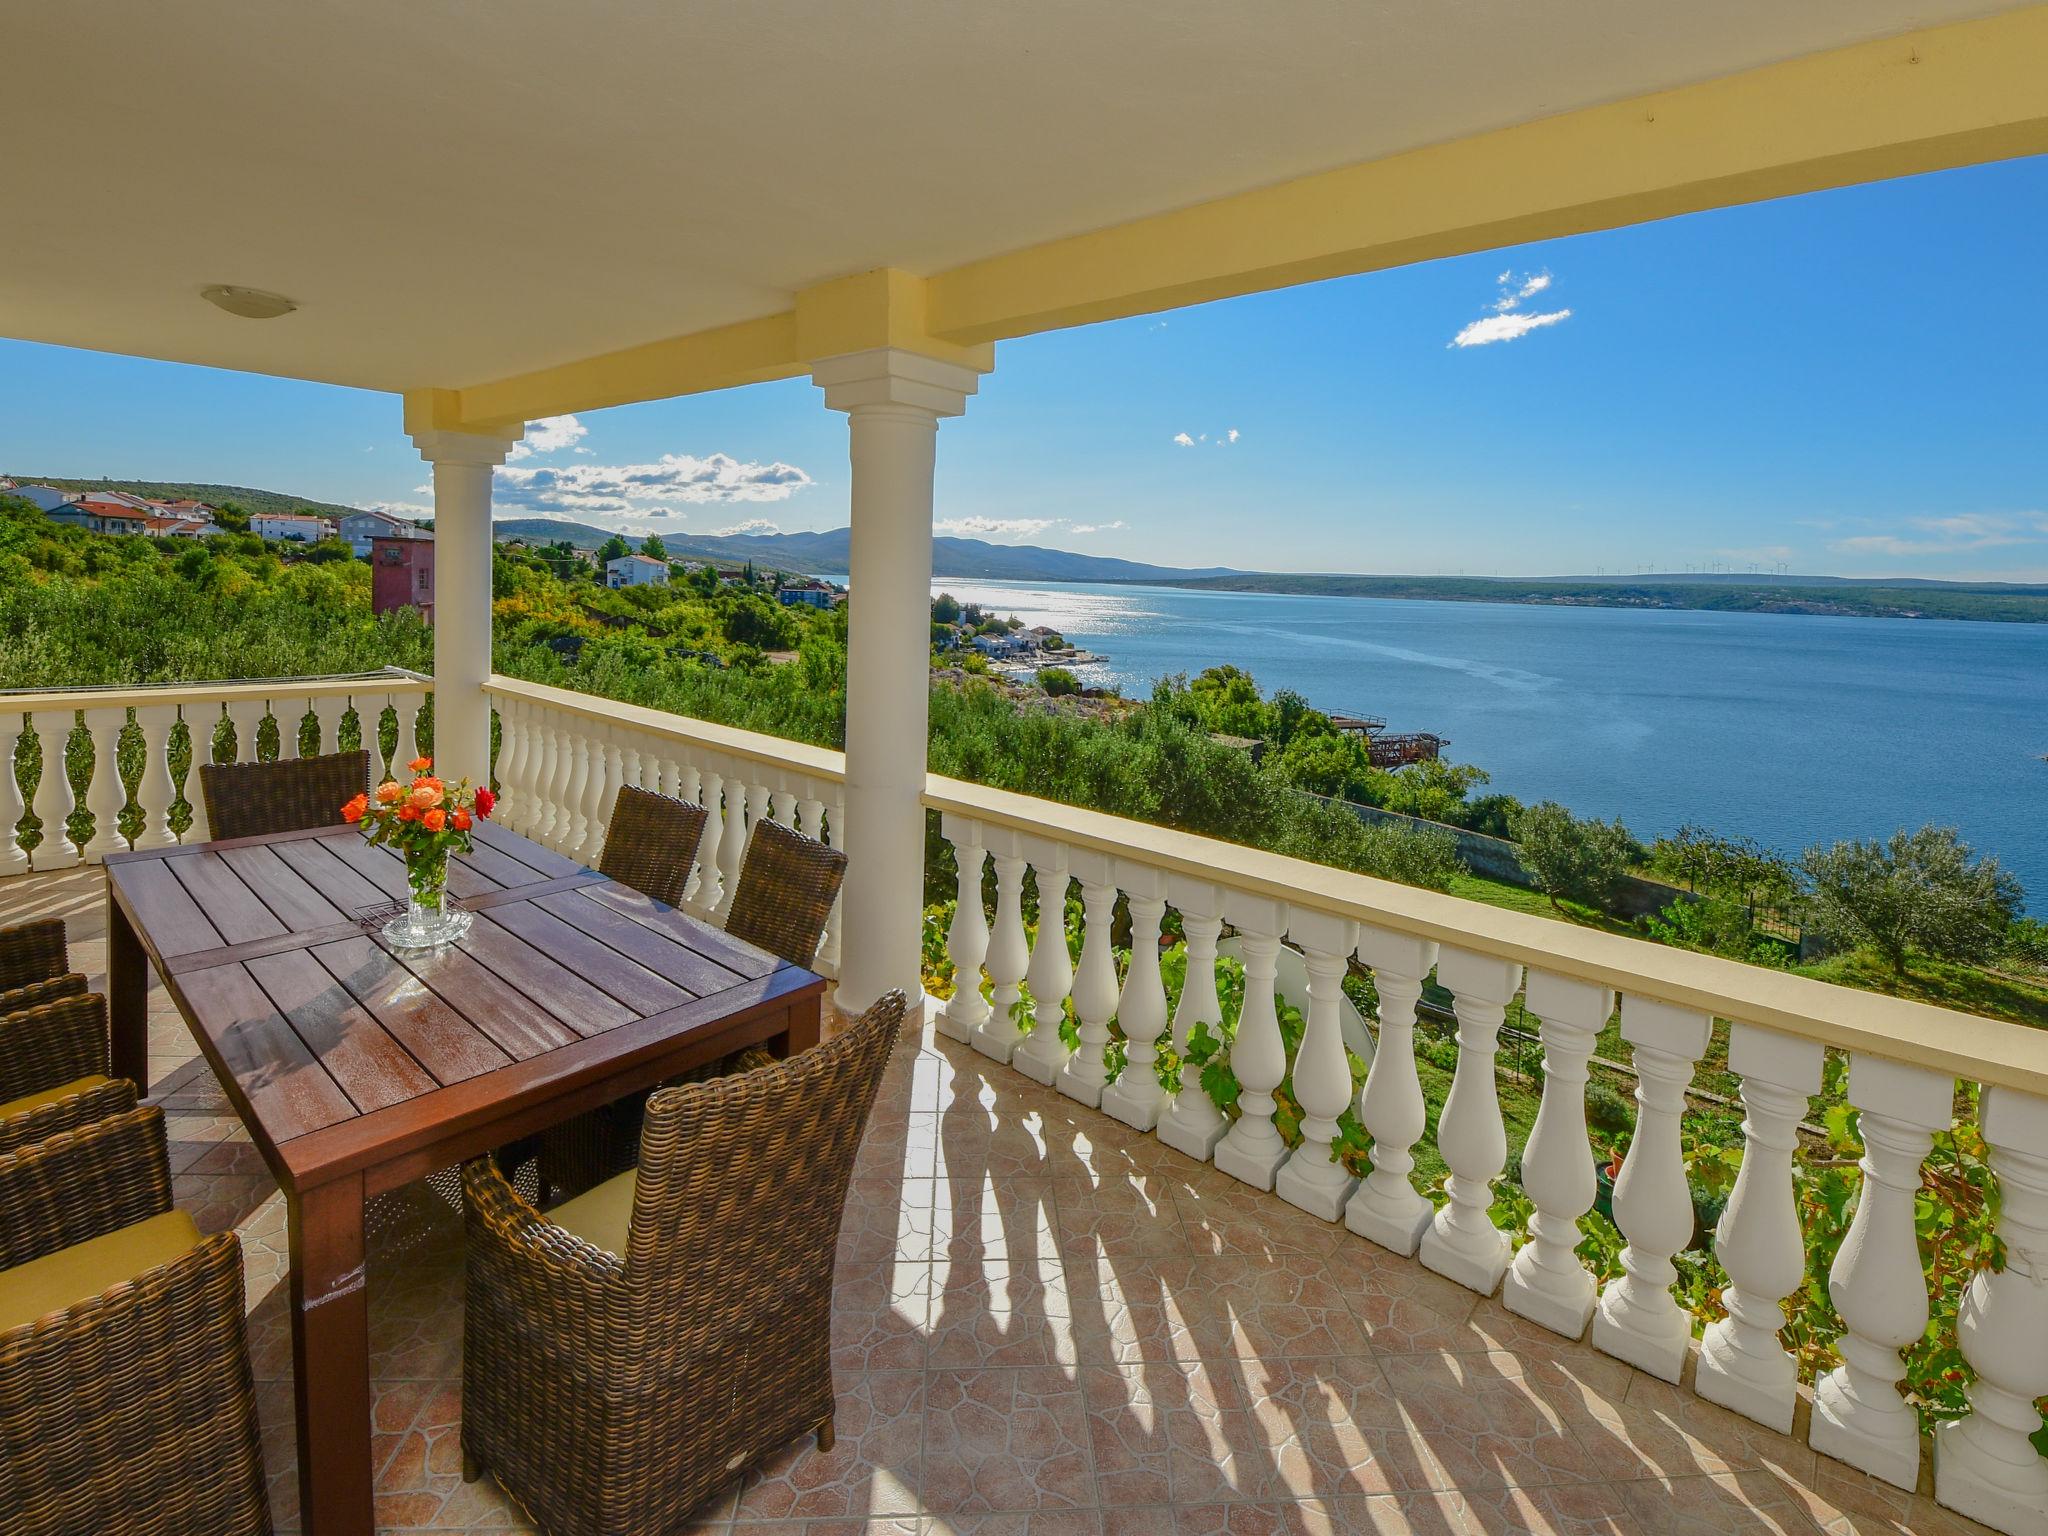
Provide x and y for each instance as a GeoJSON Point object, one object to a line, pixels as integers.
{"type": "Point", "coordinates": [35, 993]}
{"type": "Point", "coordinates": [251, 799]}
{"type": "Point", "coordinates": [53, 1071]}
{"type": "Point", "coordinates": [31, 952]}
{"type": "Point", "coordinates": [651, 843]}
{"type": "Point", "coordinates": [626, 1355]}
{"type": "Point", "coordinates": [787, 885]}
{"type": "Point", "coordinates": [126, 1402]}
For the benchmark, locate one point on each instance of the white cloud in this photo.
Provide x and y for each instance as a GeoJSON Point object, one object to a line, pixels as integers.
{"type": "Point", "coordinates": [1957, 533]}
{"type": "Point", "coordinates": [753, 525]}
{"type": "Point", "coordinates": [1099, 527]}
{"type": "Point", "coordinates": [1183, 440]}
{"type": "Point", "coordinates": [398, 508]}
{"type": "Point", "coordinates": [550, 434]}
{"type": "Point", "coordinates": [643, 490]}
{"type": "Point", "coordinates": [1231, 435]}
{"type": "Point", "coordinates": [1533, 286]}
{"type": "Point", "coordinates": [1221, 439]}
{"type": "Point", "coordinates": [1505, 320]}
{"type": "Point", "coordinates": [998, 527]}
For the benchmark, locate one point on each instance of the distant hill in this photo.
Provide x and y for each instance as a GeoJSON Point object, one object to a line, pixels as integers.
{"type": "Point", "coordinates": [250, 499]}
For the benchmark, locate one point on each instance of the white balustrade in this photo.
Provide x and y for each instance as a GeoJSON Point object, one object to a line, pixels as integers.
{"type": "Point", "coordinates": [328, 711]}
{"type": "Point", "coordinates": [1387, 1208]}
{"type": "Point", "coordinates": [710, 892]}
{"type": "Point", "coordinates": [156, 792]}
{"type": "Point", "coordinates": [1252, 1150]}
{"type": "Point", "coordinates": [1638, 1319]}
{"type": "Point", "coordinates": [1985, 1464]}
{"type": "Point", "coordinates": [105, 795]}
{"type": "Point", "coordinates": [1876, 1283]}
{"type": "Point", "coordinates": [1462, 1242]}
{"type": "Point", "coordinates": [405, 747]}
{"type": "Point", "coordinates": [1042, 1053]}
{"type": "Point", "coordinates": [998, 1035]}
{"type": "Point", "coordinates": [1136, 1097]}
{"type": "Point", "coordinates": [54, 802]}
{"type": "Point", "coordinates": [201, 720]}
{"type": "Point", "coordinates": [967, 939]}
{"type": "Point", "coordinates": [1743, 1365]}
{"type": "Point", "coordinates": [732, 848]}
{"type": "Point", "coordinates": [13, 859]}
{"type": "Point", "coordinates": [1311, 1178]}
{"type": "Point", "coordinates": [1085, 1072]}
{"type": "Point", "coordinates": [1547, 1283]}
{"type": "Point", "coordinates": [1192, 1123]}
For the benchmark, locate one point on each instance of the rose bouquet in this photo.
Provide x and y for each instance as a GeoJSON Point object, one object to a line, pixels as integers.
{"type": "Point", "coordinates": [426, 821]}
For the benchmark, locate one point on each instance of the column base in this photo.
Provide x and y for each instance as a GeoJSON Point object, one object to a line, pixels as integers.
{"type": "Point", "coordinates": [1254, 1165]}
{"type": "Point", "coordinates": [1138, 1110]}
{"type": "Point", "coordinates": [1531, 1291]}
{"type": "Point", "coordinates": [1311, 1187]}
{"type": "Point", "coordinates": [1658, 1349]}
{"type": "Point", "coordinates": [955, 1029]}
{"type": "Point", "coordinates": [2006, 1497]}
{"type": "Point", "coordinates": [1477, 1266]}
{"type": "Point", "coordinates": [1190, 1133]}
{"type": "Point", "coordinates": [1727, 1376]}
{"type": "Point", "coordinates": [996, 1041]}
{"type": "Point", "coordinates": [1081, 1085]}
{"type": "Point", "coordinates": [1393, 1224]}
{"type": "Point", "coordinates": [1888, 1449]}
{"type": "Point", "coordinates": [1038, 1068]}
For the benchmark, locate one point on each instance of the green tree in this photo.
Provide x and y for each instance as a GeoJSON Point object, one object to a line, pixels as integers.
{"type": "Point", "coordinates": [1058, 681]}
{"type": "Point", "coordinates": [653, 548]}
{"type": "Point", "coordinates": [613, 548]}
{"type": "Point", "coordinates": [1924, 890]}
{"type": "Point", "coordinates": [1572, 858]}
{"type": "Point", "coordinates": [945, 609]}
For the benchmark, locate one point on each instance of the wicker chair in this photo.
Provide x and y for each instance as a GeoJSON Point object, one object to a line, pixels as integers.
{"type": "Point", "coordinates": [651, 843]}
{"type": "Point", "coordinates": [126, 1402]}
{"type": "Point", "coordinates": [788, 883]}
{"type": "Point", "coordinates": [250, 799]}
{"type": "Point", "coordinates": [53, 1071]}
{"type": "Point", "coordinates": [35, 993]}
{"type": "Point", "coordinates": [625, 1355]}
{"type": "Point", "coordinates": [32, 952]}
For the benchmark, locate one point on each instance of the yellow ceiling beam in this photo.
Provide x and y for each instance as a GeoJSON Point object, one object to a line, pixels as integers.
{"type": "Point", "coordinates": [1942, 97]}
{"type": "Point", "coordinates": [1929, 100]}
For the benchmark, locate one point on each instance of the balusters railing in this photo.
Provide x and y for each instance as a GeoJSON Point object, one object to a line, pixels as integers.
{"type": "Point", "coordinates": [1743, 1365]}
{"type": "Point", "coordinates": [1192, 1123]}
{"type": "Point", "coordinates": [732, 847]}
{"type": "Point", "coordinates": [1638, 1320]}
{"type": "Point", "coordinates": [1462, 1242]}
{"type": "Point", "coordinates": [967, 939]}
{"type": "Point", "coordinates": [405, 746]}
{"type": "Point", "coordinates": [1050, 975]}
{"type": "Point", "coordinates": [155, 791]}
{"type": "Point", "coordinates": [1876, 1283]}
{"type": "Point", "coordinates": [13, 858]}
{"type": "Point", "coordinates": [998, 1034]}
{"type": "Point", "coordinates": [710, 893]}
{"type": "Point", "coordinates": [1251, 1150]}
{"type": "Point", "coordinates": [1546, 1283]}
{"type": "Point", "coordinates": [1136, 1097]}
{"type": "Point", "coordinates": [1311, 1178]}
{"type": "Point", "coordinates": [1985, 1464]}
{"type": "Point", "coordinates": [1388, 1209]}
{"type": "Point", "coordinates": [1084, 1074]}
{"type": "Point", "coordinates": [54, 802]}
{"type": "Point", "coordinates": [328, 710]}
{"type": "Point", "coordinates": [201, 721]}
{"type": "Point", "coordinates": [105, 795]}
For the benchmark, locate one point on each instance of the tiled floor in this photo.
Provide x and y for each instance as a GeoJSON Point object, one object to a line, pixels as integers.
{"type": "Point", "coordinates": [1047, 1325]}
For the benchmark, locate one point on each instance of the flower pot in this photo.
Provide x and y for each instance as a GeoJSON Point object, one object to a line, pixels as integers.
{"type": "Point", "coordinates": [428, 920]}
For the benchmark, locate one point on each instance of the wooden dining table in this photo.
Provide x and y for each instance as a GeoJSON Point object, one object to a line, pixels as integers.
{"type": "Point", "coordinates": [357, 1067]}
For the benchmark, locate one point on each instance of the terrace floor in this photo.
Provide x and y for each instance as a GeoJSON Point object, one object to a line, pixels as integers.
{"type": "Point", "coordinates": [1049, 1325]}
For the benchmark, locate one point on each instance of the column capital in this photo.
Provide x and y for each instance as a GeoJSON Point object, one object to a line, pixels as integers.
{"type": "Point", "coordinates": [438, 445]}
{"type": "Point", "coordinates": [893, 376]}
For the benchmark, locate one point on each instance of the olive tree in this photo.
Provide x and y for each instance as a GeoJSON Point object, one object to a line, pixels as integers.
{"type": "Point", "coordinates": [1575, 858]}
{"type": "Point", "coordinates": [1925, 890]}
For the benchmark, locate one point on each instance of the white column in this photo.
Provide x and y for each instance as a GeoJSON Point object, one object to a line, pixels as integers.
{"type": "Point", "coordinates": [1136, 1097]}
{"type": "Point", "coordinates": [1462, 1242]}
{"type": "Point", "coordinates": [54, 799]}
{"type": "Point", "coordinates": [1547, 1283]}
{"type": "Point", "coordinates": [12, 860]}
{"type": "Point", "coordinates": [463, 463]}
{"type": "Point", "coordinates": [1638, 1320]}
{"type": "Point", "coordinates": [1083, 1073]}
{"type": "Point", "coordinates": [967, 939]}
{"type": "Point", "coordinates": [515, 763]}
{"type": "Point", "coordinates": [1877, 1285]}
{"type": "Point", "coordinates": [405, 746]}
{"type": "Point", "coordinates": [893, 400]}
{"type": "Point", "coordinates": [1042, 1053]}
{"type": "Point", "coordinates": [710, 873]}
{"type": "Point", "coordinates": [1984, 1464]}
{"type": "Point", "coordinates": [105, 795]}
{"type": "Point", "coordinates": [1322, 1072]}
{"type": "Point", "coordinates": [1251, 1149]}
{"type": "Point", "coordinates": [1192, 1123]}
{"type": "Point", "coordinates": [246, 716]}
{"type": "Point", "coordinates": [732, 847]}
{"type": "Point", "coordinates": [1388, 1209]}
{"type": "Point", "coordinates": [998, 1034]}
{"type": "Point", "coordinates": [328, 710]}
{"type": "Point", "coordinates": [1743, 1365]}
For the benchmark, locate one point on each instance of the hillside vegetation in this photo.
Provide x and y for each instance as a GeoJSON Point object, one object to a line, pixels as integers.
{"type": "Point", "coordinates": [259, 503]}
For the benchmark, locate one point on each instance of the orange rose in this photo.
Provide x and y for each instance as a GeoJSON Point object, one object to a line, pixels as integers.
{"type": "Point", "coordinates": [389, 792]}
{"type": "Point", "coordinates": [408, 813]}
{"type": "Point", "coordinates": [461, 820]}
{"type": "Point", "coordinates": [425, 796]}
{"type": "Point", "coordinates": [353, 811]}
{"type": "Point", "coordinates": [420, 764]}
{"type": "Point", "coordinates": [434, 820]}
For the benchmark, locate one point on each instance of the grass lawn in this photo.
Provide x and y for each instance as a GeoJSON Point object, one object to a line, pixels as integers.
{"type": "Point", "coordinates": [1995, 994]}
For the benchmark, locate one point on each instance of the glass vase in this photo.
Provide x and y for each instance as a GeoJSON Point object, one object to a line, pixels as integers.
{"type": "Point", "coordinates": [428, 920]}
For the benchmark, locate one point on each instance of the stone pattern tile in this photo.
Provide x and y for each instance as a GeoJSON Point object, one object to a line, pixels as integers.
{"type": "Point", "coordinates": [1046, 1324]}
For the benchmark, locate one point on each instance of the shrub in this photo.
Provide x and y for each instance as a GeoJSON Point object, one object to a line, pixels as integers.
{"type": "Point", "coordinates": [1924, 890]}
{"type": "Point", "coordinates": [1058, 682]}
{"type": "Point", "coordinates": [1575, 859]}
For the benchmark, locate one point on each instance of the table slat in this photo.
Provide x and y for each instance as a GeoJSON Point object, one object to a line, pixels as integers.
{"type": "Point", "coordinates": [736, 955]}
{"type": "Point", "coordinates": [339, 882]}
{"type": "Point", "coordinates": [639, 988]}
{"type": "Point", "coordinates": [290, 898]}
{"type": "Point", "coordinates": [667, 956]}
{"type": "Point", "coordinates": [373, 1069]}
{"type": "Point", "coordinates": [285, 1088]}
{"type": "Point", "coordinates": [440, 1039]}
{"type": "Point", "coordinates": [515, 1023]}
{"type": "Point", "coordinates": [164, 909]}
{"type": "Point", "coordinates": [544, 861]}
{"type": "Point", "coordinates": [538, 975]}
{"type": "Point", "coordinates": [237, 911]}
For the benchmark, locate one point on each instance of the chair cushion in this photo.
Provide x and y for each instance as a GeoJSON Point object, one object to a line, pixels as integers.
{"type": "Point", "coordinates": [601, 1215]}
{"type": "Point", "coordinates": [80, 1272]}
{"type": "Point", "coordinates": [23, 1105]}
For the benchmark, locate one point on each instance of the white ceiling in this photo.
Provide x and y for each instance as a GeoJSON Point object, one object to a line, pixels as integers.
{"type": "Point", "coordinates": [458, 192]}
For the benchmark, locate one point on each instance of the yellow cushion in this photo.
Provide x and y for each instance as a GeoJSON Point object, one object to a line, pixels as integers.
{"type": "Point", "coordinates": [50, 1095]}
{"type": "Point", "coordinates": [601, 1215]}
{"type": "Point", "coordinates": [80, 1272]}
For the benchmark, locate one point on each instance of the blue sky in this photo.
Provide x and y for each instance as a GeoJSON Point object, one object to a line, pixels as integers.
{"type": "Point", "coordinates": [1849, 382]}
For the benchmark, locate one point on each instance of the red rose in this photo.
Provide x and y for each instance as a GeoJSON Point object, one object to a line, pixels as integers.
{"type": "Point", "coordinates": [460, 820]}
{"type": "Point", "coordinates": [486, 802]}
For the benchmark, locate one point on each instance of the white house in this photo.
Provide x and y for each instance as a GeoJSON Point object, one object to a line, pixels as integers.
{"type": "Point", "coordinates": [359, 528]}
{"type": "Point", "coordinates": [46, 497]}
{"type": "Point", "coordinates": [290, 526]}
{"type": "Point", "coordinates": [636, 571]}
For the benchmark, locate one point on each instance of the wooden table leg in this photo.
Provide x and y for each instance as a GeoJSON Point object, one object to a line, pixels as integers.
{"type": "Point", "coordinates": [127, 998]}
{"type": "Point", "coordinates": [805, 1024]}
{"type": "Point", "coordinates": [331, 1359]}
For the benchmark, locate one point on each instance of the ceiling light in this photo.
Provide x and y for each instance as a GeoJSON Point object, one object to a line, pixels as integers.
{"type": "Point", "coordinates": [249, 303]}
